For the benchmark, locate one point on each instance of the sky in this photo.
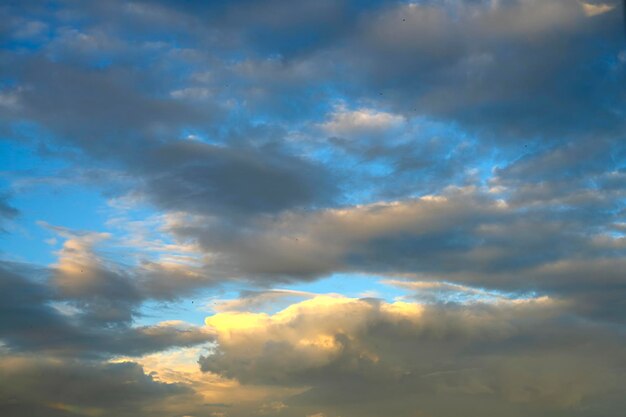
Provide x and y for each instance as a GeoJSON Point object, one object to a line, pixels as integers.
{"type": "Point", "coordinates": [313, 208]}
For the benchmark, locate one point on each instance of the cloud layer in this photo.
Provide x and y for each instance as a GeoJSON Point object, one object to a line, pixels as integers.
{"type": "Point", "coordinates": [458, 166]}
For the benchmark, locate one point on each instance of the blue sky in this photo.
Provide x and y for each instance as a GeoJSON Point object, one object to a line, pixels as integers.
{"type": "Point", "coordinates": [313, 208]}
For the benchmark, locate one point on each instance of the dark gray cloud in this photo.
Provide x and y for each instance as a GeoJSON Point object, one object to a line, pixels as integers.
{"type": "Point", "coordinates": [277, 27]}
{"type": "Point", "coordinates": [34, 320]}
{"type": "Point", "coordinates": [32, 385]}
{"type": "Point", "coordinates": [97, 110]}
{"type": "Point", "coordinates": [203, 178]}
{"type": "Point", "coordinates": [523, 69]}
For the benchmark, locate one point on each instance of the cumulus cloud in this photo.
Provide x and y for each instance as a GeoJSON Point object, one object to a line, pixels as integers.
{"type": "Point", "coordinates": [347, 352]}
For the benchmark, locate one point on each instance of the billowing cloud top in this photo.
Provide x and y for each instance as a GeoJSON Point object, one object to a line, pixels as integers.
{"type": "Point", "coordinates": [313, 208]}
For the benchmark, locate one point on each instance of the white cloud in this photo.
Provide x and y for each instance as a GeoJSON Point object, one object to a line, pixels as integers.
{"type": "Point", "coordinates": [361, 123]}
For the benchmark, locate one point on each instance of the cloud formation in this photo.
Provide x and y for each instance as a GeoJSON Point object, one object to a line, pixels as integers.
{"type": "Point", "coordinates": [460, 162]}
{"type": "Point", "coordinates": [366, 356]}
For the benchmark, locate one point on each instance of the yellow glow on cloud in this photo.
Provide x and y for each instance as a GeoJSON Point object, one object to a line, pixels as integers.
{"type": "Point", "coordinates": [322, 341]}
{"type": "Point", "coordinates": [596, 9]}
{"type": "Point", "coordinates": [319, 303]}
{"type": "Point", "coordinates": [318, 320]}
{"type": "Point", "coordinates": [226, 324]}
{"type": "Point", "coordinates": [234, 320]}
{"type": "Point", "coordinates": [310, 334]}
{"type": "Point", "coordinates": [229, 322]}
{"type": "Point", "coordinates": [403, 310]}
{"type": "Point", "coordinates": [310, 327]}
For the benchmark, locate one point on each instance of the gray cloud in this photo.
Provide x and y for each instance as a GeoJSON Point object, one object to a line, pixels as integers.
{"type": "Point", "coordinates": [364, 357]}
{"type": "Point", "coordinates": [464, 235]}
{"type": "Point", "coordinates": [494, 68]}
{"type": "Point", "coordinates": [7, 211]}
{"type": "Point", "coordinates": [32, 322]}
{"type": "Point", "coordinates": [202, 178]}
{"type": "Point", "coordinates": [143, 136]}
{"type": "Point", "coordinates": [65, 388]}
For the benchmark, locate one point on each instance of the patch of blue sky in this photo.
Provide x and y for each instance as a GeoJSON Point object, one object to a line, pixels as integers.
{"type": "Point", "coordinates": [195, 308]}
{"type": "Point", "coordinates": [21, 169]}
{"type": "Point", "coordinates": [22, 45]}
{"type": "Point", "coordinates": [467, 296]}
{"type": "Point", "coordinates": [458, 140]}
{"type": "Point", "coordinates": [445, 292]}
{"type": "Point", "coordinates": [382, 287]}
{"type": "Point", "coordinates": [484, 169]}
{"type": "Point", "coordinates": [351, 285]}
{"type": "Point", "coordinates": [137, 235]}
{"type": "Point", "coordinates": [70, 206]}
{"type": "Point", "coordinates": [18, 158]}
{"type": "Point", "coordinates": [153, 312]}
{"type": "Point", "coordinates": [42, 194]}
{"type": "Point", "coordinates": [192, 309]}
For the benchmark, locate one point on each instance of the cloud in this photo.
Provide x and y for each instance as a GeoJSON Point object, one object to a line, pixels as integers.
{"type": "Point", "coordinates": [105, 294]}
{"type": "Point", "coordinates": [7, 211]}
{"type": "Point", "coordinates": [464, 236]}
{"type": "Point", "coordinates": [258, 300]}
{"type": "Point", "coordinates": [32, 323]}
{"type": "Point", "coordinates": [63, 388]}
{"type": "Point", "coordinates": [309, 244]}
{"type": "Point", "coordinates": [591, 9]}
{"type": "Point", "coordinates": [358, 357]}
{"type": "Point", "coordinates": [467, 151]}
{"type": "Point", "coordinates": [207, 179]}
{"type": "Point", "coordinates": [143, 135]}
{"type": "Point", "coordinates": [90, 271]}
{"type": "Point", "coordinates": [492, 68]}
{"type": "Point", "coordinates": [361, 123]}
